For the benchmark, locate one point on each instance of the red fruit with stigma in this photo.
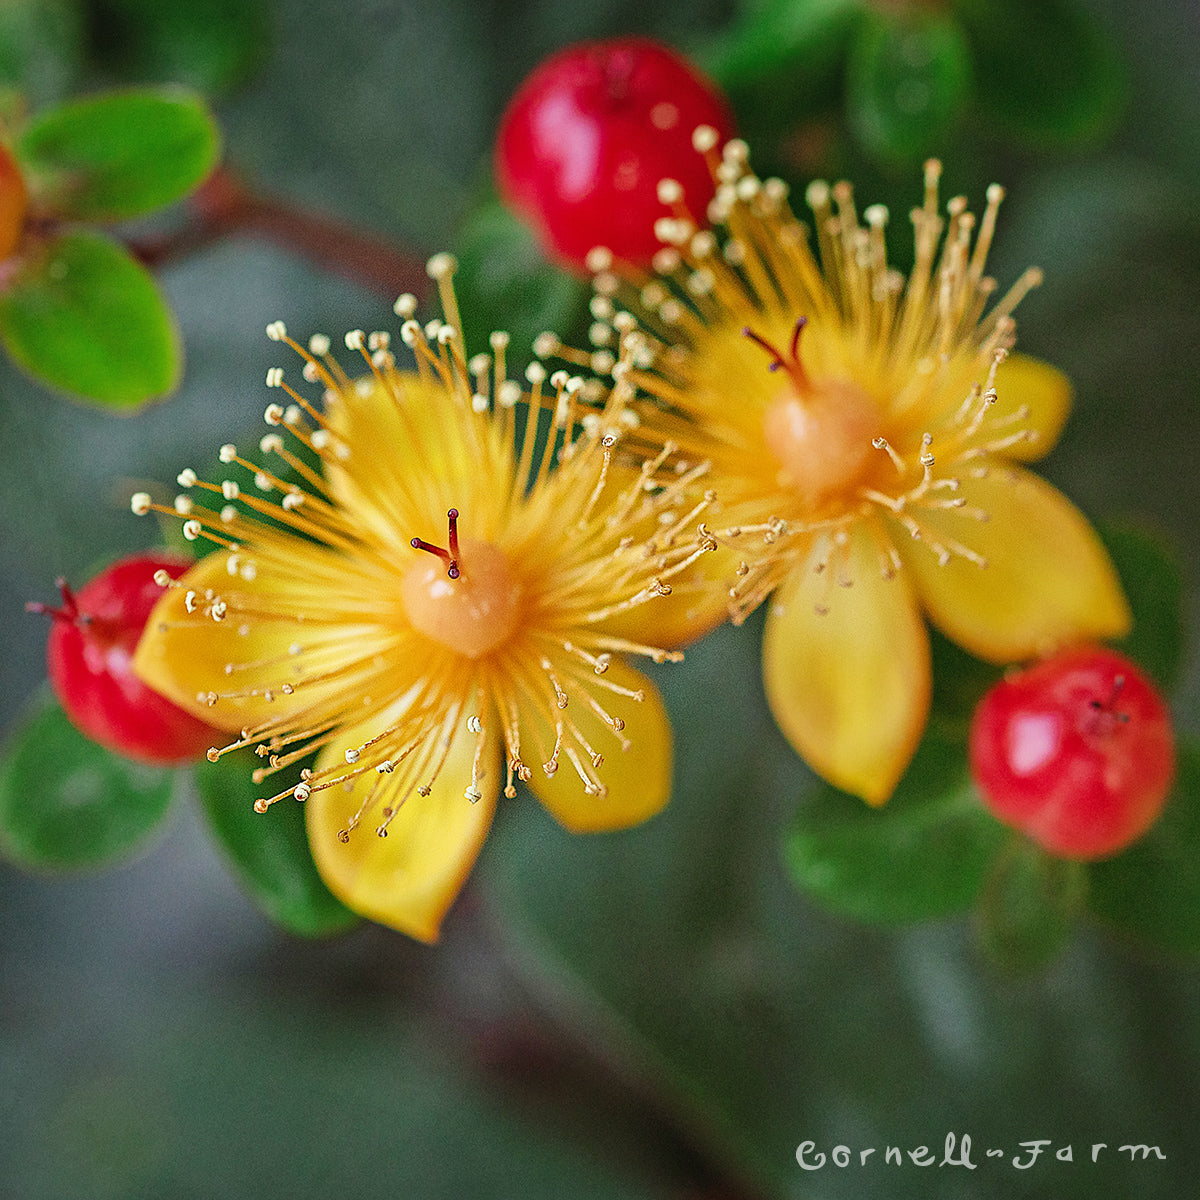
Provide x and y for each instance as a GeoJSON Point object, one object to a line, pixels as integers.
{"type": "Point", "coordinates": [89, 655]}
{"type": "Point", "coordinates": [1076, 751]}
{"type": "Point", "coordinates": [590, 133]}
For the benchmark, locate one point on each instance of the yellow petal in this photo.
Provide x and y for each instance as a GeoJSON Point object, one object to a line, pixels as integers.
{"type": "Point", "coordinates": [1048, 580]}
{"type": "Point", "coordinates": [849, 688]}
{"type": "Point", "coordinates": [409, 878]}
{"type": "Point", "coordinates": [184, 655]}
{"type": "Point", "coordinates": [638, 779]}
{"type": "Point", "coordinates": [399, 444]}
{"type": "Point", "coordinates": [1023, 382]}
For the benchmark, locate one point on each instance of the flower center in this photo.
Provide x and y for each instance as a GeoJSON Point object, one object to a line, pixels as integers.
{"type": "Point", "coordinates": [464, 598]}
{"type": "Point", "coordinates": [819, 433]}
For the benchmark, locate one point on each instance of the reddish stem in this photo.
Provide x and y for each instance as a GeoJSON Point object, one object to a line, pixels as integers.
{"type": "Point", "coordinates": [223, 206]}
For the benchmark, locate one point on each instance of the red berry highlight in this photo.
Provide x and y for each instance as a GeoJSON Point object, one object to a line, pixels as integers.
{"type": "Point", "coordinates": [89, 655]}
{"type": "Point", "coordinates": [14, 200]}
{"type": "Point", "coordinates": [588, 136]}
{"type": "Point", "coordinates": [1077, 752]}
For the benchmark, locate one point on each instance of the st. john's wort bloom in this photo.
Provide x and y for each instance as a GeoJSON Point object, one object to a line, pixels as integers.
{"type": "Point", "coordinates": [864, 430]}
{"type": "Point", "coordinates": [436, 599]}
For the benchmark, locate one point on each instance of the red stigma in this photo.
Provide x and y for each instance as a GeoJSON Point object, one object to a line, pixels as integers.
{"type": "Point", "coordinates": [449, 557]}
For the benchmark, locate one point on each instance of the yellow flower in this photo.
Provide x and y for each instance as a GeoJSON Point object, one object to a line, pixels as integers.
{"type": "Point", "coordinates": [864, 430]}
{"type": "Point", "coordinates": [430, 602]}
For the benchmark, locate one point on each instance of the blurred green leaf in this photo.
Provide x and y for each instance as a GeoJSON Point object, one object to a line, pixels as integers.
{"type": "Point", "coordinates": [67, 802]}
{"type": "Point", "coordinates": [1153, 581]}
{"type": "Point", "coordinates": [908, 79]}
{"type": "Point", "coordinates": [798, 35]}
{"type": "Point", "coordinates": [120, 154]}
{"type": "Point", "coordinates": [41, 51]}
{"type": "Point", "coordinates": [782, 63]}
{"type": "Point", "coordinates": [1029, 906]}
{"type": "Point", "coordinates": [504, 282]}
{"type": "Point", "coordinates": [924, 854]}
{"type": "Point", "coordinates": [1048, 70]}
{"type": "Point", "coordinates": [959, 680]}
{"type": "Point", "coordinates": [1152, 891]}
{"type": "Point", "coordinates": [81, 315]}
{"type": "Point", "coordinates": [213, 45]}
{"type": "Point", "coordinates": [269, 850]}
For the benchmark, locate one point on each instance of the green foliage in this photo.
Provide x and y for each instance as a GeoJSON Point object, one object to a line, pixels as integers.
{"type": "Point", "coordinates": [82, 316]}
{"type": "Point", "coordinates": [908, 81]}
{"type": "Point", "coordinates": [269, 850]}
{"type": "Point", "coordinates": [924, 854]}
{"type": "Point", "coordinates": [41, 47]}
{"type": "Point", "coordinates": [504, 282]}
{"type": "Point", "coordinates": [1152, 891]}
{"type": "Point", "coordinates": [67, 802]}
{"type": "Point", "coordinates": [1048, 71]}
{"type": "Point", "coordinates": [209, 44]}
{"type": "Point", "coordinates": [1153, 580]}
{"type": "Point", "coordinates": [118, 155]}
{"type": "Point", "coordinates": [1029, 906]}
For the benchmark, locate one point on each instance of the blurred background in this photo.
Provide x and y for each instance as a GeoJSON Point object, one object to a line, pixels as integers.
{"type": "Point", "coordinates": [657, 1013]}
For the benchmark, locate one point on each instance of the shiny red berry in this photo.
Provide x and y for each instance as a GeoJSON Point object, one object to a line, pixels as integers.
{"type": "Point", "coordinates": [1076, 751]}
{"type": "Point", "coordinates": [588, 136]}
{"type": "Point", "coordinates": [88, 657]}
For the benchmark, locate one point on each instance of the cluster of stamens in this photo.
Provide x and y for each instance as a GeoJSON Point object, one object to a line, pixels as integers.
{"type": "Point", "coordinates": [894, 401]}
{"type": "Point", "coordinates": [555, 543]}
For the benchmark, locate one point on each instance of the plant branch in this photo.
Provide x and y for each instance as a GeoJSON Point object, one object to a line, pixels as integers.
{"type": "Point", "coordinates": [223, 206]}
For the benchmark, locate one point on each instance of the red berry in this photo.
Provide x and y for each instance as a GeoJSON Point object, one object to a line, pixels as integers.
{"type": "Point", "coordinates": [1076, 751]}
{"type": "Point", "coordinates": [88, 656]}
{"type": "Point", "coordinates": [587, 137]}
{"type": "Point", "coordinates": [13, 202]}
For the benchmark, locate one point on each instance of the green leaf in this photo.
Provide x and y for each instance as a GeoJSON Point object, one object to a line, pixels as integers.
{"type": "Point", "coordinates": [67, 802]}
{"type": "Point", "coordinates": [1153, 581]}
{"type": "Point", "coordinates": [504, 282]}
{"type": "Point", "coordinates": [924, 854]}
{"type": "Point", "coordinates": [908, 79]}
{"type": "Point", "coordinates": [959, 680]}
{"type": "Point", "coordinates": [1029, 906]}
{"type": "Point", "coordinates": [1050, 72]}
{"type": "Point", "coordinates": [213, 45]}
{"type": "Point", "coordinates": [801, 36]}
{"type": "Point", "coordinates": [269, 850]}
{"type": "Point", "coordinates": [1152, 891]}
{"type": "Point", "coordinates": [82, 316]}
{"type": "Point", "coordinates": [119, 155]}
{"type": "Point", "coordinates": [781, 64]}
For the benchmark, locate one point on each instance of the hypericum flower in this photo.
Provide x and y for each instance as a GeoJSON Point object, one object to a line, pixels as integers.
{"type": "Point", "coordinates": [863, 429]}
{"type": "Point", "coordinates": [448, 590]}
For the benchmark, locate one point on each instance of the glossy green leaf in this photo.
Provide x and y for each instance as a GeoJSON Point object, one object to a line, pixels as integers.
{"type": "Point", "coordinates": [209, 44]}
{"type": "Point", "coordinates": [67, 802]}
{"type": "Point", "coordinates": [1152, 890]}
{"type": "Point", "coordinates": [1048, 70]}
{"type": "Point", "coordinates": [269, 850]}
{"type": "Point", "coordinates": [1153, 582]}
{"type": "Point", "coordinates": [924, 854]}
{"type": "Point", "coordinates": [504, 282]}
{"type": "Point", "coordinates": [41, 52]}
{"type": "Point", "coordinates": [82, 316]}
{"type": "Point", "coordinates": [1029, 906]}
{"type": "Point", "coordinates": [120, 154]}
{"type": "Point", "coordinates": [908, 79]}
